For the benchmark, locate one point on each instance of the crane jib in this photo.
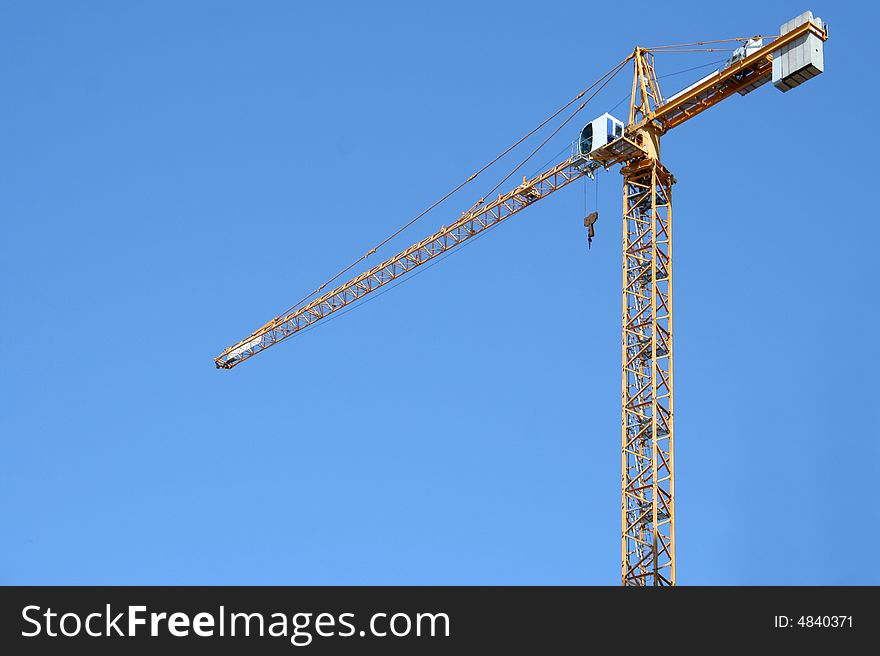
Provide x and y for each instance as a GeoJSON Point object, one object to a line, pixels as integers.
{"type": "Point", "coordinates": [468, 225]}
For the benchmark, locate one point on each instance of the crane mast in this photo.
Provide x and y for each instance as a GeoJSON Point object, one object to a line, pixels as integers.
{"type": "Point", "coordinates": [647, 430]}
{"type": "Point", "coordinates": [647, 427]}
{"type": "Point", "coordinates": [648, 507]}
{"type": "Point", "coordinates": [647, 494]}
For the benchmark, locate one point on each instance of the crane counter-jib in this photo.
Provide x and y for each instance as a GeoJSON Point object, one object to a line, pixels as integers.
{"type": "Point", "coordinates": [790, 59]}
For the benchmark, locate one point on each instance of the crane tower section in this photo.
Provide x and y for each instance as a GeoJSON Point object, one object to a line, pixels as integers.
{"type": "Point", "coordinates": [648, 511]}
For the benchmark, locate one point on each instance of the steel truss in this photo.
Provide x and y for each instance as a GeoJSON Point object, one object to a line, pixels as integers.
{"type": "Point", "coordinates": [648, 510]}
{"type": "Point", "coordinates": [471, 223]}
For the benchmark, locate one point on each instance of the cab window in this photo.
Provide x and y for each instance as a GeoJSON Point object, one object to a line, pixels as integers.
{"type": "Point", "coordinates": [587, 139]}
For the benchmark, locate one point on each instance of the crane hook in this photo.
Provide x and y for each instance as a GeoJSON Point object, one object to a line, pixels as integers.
{"type": "Point", "coordinates": [589, 221]}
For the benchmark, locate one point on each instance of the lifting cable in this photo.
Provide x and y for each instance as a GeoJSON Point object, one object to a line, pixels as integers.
{"type": "Point", "coordinates": [694, 50]}
{"type": "Point", "coordinates": [604, 80]}
{"type": "Point", "coordinates": [703, 43]}
{"type": "Point", "coordinates": [693, 47]}
{"type": "Point", "coordinates": [607, 78]}
{"type": "Point", "coordinates": [601, 80]}
{"type": "Point", "coordinates": [661, 77]}
{"type": "Point", "coordinates": [400, 281]}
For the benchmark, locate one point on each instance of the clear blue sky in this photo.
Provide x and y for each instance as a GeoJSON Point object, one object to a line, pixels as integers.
{"type": "Point", "coordinates": [174, 174]}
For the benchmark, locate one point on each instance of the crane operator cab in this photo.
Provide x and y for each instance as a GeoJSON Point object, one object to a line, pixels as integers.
{"type": "Point", "coordinates": [599, 132]}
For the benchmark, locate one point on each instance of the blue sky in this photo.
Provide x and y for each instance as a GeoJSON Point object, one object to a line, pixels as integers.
{"type": "Point", "coordinates": [175, 174]}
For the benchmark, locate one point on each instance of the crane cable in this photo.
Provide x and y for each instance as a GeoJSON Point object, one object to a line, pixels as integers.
{"type": "Point", "coordinates": [703, 43]}
{"type": "Point", "coordinates": [611, 72]}
{"type": "Point", "coordinates": [363, 301]}
{"type": "Point", "coordinates": [661, 77]}
{"type": "Point", "coordinates": [603, 79]}
{"type": "Point", "coordinates": [610, 75]}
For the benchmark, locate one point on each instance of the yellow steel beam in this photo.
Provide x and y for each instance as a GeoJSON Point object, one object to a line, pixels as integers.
{"type": "Point", "coordinates": [648, 499]}
{"type": "Point", "coordinates": [725, 83]}
{"type": "Point", "coordinates": [471, 223]}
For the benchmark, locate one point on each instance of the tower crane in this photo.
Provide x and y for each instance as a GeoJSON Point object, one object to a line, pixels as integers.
{"type": "Point", "coordinates": [647, 434]}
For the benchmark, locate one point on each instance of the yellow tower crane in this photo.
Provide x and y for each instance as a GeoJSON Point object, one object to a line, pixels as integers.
{"type": "Point", "coordinates": [648, 494]}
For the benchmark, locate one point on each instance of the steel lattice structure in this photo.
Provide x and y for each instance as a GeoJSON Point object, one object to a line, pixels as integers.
{"type": "Point", "coordinates": [470, 224]}
{"type": "Point", "coordinates": [648, 526]}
